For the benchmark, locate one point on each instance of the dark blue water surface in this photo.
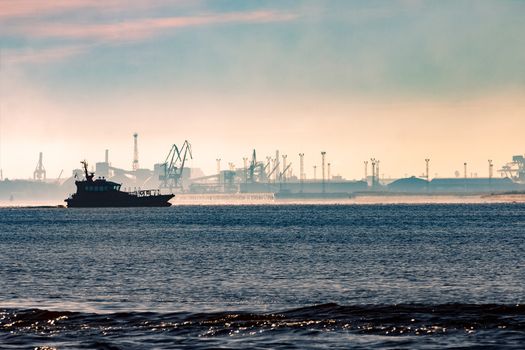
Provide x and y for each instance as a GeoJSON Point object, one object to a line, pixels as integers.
{"type": "Point", "coordinates": [273, 276]}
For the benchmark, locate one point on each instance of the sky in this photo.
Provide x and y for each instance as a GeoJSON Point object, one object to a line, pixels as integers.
{"type": "Point", "coordinates": [398, 80]}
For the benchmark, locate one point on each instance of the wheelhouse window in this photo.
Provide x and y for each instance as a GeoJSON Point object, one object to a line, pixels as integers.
{"type": "Point", "coordinates": [102, 188]}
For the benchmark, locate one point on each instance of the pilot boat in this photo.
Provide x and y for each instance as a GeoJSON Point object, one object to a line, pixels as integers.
{"type": "Point", "coordinates": [97, 193]}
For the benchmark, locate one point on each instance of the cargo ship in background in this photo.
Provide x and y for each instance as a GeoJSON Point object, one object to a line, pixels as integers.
{"type": "Point", "coordinates": [95, 193]}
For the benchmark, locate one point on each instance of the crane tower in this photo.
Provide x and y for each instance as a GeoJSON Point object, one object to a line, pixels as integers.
{"type": "Point", "coordinates": [173, 166]}
{"type": "Point", "coordinates": [40, 172]}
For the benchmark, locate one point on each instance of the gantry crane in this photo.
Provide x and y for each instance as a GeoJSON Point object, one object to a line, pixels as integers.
{"type": "Point", "coordinates": [173, 166]}
{"type": "Point", "coordinates": [257, 170]}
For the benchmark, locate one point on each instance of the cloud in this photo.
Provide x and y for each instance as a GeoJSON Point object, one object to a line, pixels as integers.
{"type": "Point", "coordinates": [13, 9]}
{"type": "Point", "coordinates": [23, 8]}
{"type": "Point", "coordinates": [94, 34]}
{"type": "Point", "coordinates": [142, 28]}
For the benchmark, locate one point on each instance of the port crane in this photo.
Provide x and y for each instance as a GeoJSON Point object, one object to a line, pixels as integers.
{"type": "Point", "coordinates": [281, 175]}
{"type": "Point", "coordinates": [515, 169]}
{"type": "Point", "coordinates": [59, 177]}
{"type": "Point", "coordinates": [269, 176]}
{"type": "Point", "coordinates": [173, 166]}
{"type": "Point", "coordinates": [257, 170]}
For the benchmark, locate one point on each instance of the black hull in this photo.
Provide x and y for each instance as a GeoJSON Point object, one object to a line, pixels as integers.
{"type": "Point", "coordinates": [149, 201]}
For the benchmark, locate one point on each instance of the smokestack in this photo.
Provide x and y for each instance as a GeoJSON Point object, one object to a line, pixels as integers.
{"type": "Point", "coordinates": [106, 158]}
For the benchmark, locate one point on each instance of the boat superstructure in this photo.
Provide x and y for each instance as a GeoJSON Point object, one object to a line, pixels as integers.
{"type": "Point", "coordinates": [100, 192]}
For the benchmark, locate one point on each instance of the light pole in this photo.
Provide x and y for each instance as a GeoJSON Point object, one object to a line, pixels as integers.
{"type": "Point", "coordinates": [323, 155]}
{"type": "Point", "coordinates": [377, 172]}
{"type": "Point", "coordinates": [301, 170]}
{"type": "Point", "coordinates": [373, 161]}
{"type": "Point", "coordinates": [490, 172]}
{"type": "Point", "coordinates": [245, 161]}
{"type": "Point", "coordinates": [427, 160]}
{"type": "Point", "coordinates": [465, 174]}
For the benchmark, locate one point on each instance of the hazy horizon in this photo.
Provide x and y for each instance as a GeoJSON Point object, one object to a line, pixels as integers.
{"type": "Point", "coordinates": [399, 81]}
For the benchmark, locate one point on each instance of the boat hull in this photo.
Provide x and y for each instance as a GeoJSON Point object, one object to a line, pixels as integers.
{"type": "Point", "coordinates": [149, 201]}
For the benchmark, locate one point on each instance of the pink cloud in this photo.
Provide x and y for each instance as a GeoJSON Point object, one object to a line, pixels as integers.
{"type": "Point", "coordinates": [21, 8]}
{"type": "Point", "coordinates": [129, 30]}
{"type": "Point", "coordinates": [143, 28]}
{"type": "Point", "coordinates": [38, 8]}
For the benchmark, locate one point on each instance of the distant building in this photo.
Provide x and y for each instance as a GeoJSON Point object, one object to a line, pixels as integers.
{"type": "Point", "coordinates": [410, 184]}
{"type": "Point", "coordinates": [453, 185]}
{"type": "Point", "coordinates": [472, 185]}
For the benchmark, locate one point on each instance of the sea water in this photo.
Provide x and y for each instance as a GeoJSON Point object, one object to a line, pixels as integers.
{"type": "Point", "coordinates": [263, 276]}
